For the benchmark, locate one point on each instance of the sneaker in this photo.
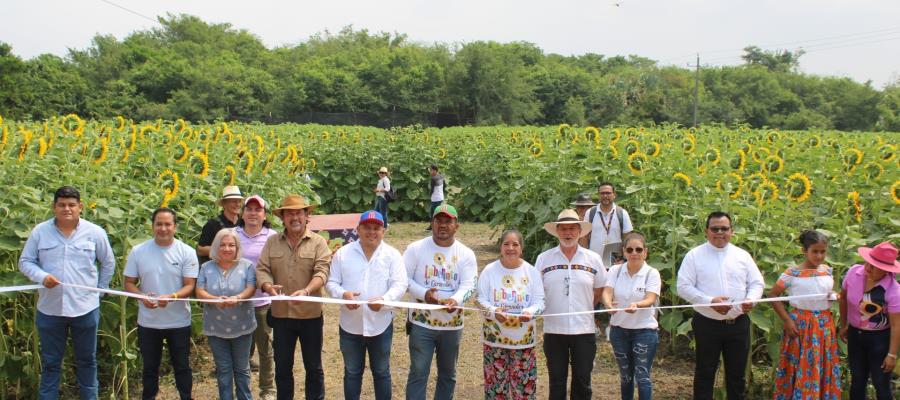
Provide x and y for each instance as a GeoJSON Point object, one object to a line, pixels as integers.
{"type": "Point", "coordinates": [428, 228]}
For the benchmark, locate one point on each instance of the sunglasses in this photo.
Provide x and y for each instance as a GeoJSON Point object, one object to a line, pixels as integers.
{"type": "Point", "coordinates": [719, 229]}
{"type": "Point", "coordinates": [630, 250]}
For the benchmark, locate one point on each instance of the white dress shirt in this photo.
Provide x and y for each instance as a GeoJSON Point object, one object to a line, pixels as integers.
{"type": "Point", "coordinates": [708, 271]}
{"type": "Point", "coordinates": [383, 275]}
{"type": "Point", "coordinates": [569, 287]}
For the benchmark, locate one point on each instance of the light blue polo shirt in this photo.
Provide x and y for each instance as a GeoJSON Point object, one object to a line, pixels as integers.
{"type": "Point", "coordinates": [161, 270]}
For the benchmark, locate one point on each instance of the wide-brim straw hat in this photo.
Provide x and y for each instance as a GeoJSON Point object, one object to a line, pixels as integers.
{"type": "Point", "coordinates": [568, 216]}
{"type": "Point", "coordinates": [293, 202]}
{"type": "Point", "coordinates": [883, 256]}
{"type": "Point", "coordinates": [383, 169]}
{"type": "Point", "coordinates": [583, 199]}
{"type": "Point", "coordinates": [230, 192]}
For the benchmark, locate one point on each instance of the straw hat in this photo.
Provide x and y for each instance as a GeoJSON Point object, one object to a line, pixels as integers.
{"type": "Point", "coordinates": [293, 202]}
{"type": "Point", "coordinates": [568, 216]}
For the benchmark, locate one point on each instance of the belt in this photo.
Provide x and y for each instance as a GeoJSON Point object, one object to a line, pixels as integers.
{"type": "Point", "coordinates": [730, 321]}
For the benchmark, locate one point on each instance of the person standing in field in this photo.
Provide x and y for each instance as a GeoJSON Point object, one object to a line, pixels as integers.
{"type": "Point", "coordinates": [230, 202]}
{"type": "Point", "coordinates": [511, 293]}
{"type": "Point", "coordinates": [436, 188]}
{"type": "Point", "coordinates": [441, 270]}
{"type": "Point", "coordinates": [609, 224]}
{"type": "Point", "coordinates": [720, 272]}
{"type": "Point", "coordinates": [582, 204]}
{"type": "Point", "coordinates": [166, 268]}
{"type": "Point", "coordinates": [381, 189]}
{"type": "Point", "coordinates": [254, 231]}
{"type": "Point", "coordinates": [573, 279]}
{"type": "Point", "coordinates": [70, 248]}
{"type": "Point", "coordinates": [809, 366]}
{"type": "Point", "coordinates": [297, 262]}
{"type": "Point", "coordinates": [369, 270]}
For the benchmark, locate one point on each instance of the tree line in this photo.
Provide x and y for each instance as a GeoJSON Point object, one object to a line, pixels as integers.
{"type": "Point", "coordinates": [188, 68]}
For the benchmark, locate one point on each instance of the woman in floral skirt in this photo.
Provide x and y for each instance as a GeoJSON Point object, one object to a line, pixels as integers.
{"type": "Point", "coordinates": [809, 365]}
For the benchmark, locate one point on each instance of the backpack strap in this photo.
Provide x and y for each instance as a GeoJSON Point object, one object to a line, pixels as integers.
{"type": "Point", "coordinates": [621, 222]}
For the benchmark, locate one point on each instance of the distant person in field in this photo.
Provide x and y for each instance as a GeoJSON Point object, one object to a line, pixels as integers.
{"type": "Point", "coordinates": [68, 249]}
{"type": "Point", "coordinates": [809, 366]}
{"type": "Point", "coordinates": [573, 279]}
{"type": "Point", "coordinates": [230, 202]}
{"type": "Point", "coordinates": [511, 292]}
{"type": "Point", "coordinates": [381, 188]}
{"type": "Point", "coordinates": [609, 224]}
{"type": "Point", "coordinates": [167, 268]}
{"type": "Point", "coordinates": [368, 270]}
{"type": "Point", "coordinates": [582, 204]}
{"type": "Point", "coordinates": [441, 270]}
{"type": "Point", "coordinates": [870, 320]}
{"type": "Point", "coordinates": [436, 188]}
{"type": "Point", "coordinates": [720, 272]}
{"type": "Point", "coordinates": [254, 231]}
{"type": "Point", "coordinates": [296, 262]}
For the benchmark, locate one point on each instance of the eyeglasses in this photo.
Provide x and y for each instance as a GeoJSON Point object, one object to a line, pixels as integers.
{"type": "Point", "coordinates": [606, 193]}
{"type": "Point", "coordinates": [719, 229]}
{"type": "Point", "coordinates": [630, 250]}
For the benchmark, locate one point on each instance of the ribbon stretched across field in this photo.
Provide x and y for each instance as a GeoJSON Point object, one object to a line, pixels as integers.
{"type": "Point", "coordinates": [23, 288]}
{"type": "Point", "coordinates": [732, 304]}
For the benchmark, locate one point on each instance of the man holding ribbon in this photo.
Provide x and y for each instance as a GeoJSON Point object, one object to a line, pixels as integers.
{"type": "Point", "coordinates": [297, 263]}
{"type": "Point", "coordinates": [163, 268]}
{"type": "Point", "coordinates": [720, 272]}
{"type": "Point", "coordinates": [68, 248]}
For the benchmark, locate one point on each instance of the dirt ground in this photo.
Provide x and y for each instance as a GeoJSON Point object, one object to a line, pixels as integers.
{"type": "Point", "coordinates": [672, 376]}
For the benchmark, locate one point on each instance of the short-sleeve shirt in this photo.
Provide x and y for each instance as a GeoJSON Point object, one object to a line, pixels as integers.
{"type": "Point", "coordinates": [162, 270]}
{"type": "Point", "coordinates": [437, 188]}
{"type": "Point", "coordinates": [517, 290]}
{"type": "Point", "coordinates": [227, 323]}
{"type": "Point", "coordinates": [805, 281]}
{"type": "Point", "coordinates": [251, 247]}
{"type": "Point", "coordinates": [629, 289]}
{"type": "Point", "coordinates": [569, 287]}
{"type": "Point", "coordinates": [383, 184]}
{"type": "Point", "coordinates": [870, 310]}
{"type": "Point", "coordinates": [209, 232]}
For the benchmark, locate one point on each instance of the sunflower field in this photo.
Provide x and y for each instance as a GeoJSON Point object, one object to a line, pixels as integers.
{"type": "Point", "coordinates": [775, 183]}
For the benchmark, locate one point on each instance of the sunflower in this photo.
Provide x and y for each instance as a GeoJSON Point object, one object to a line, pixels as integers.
{"type": "Point", "coordinates": [632, 146]}
{"type": "Point", "coordinates": [73, 124]}
{"type": "Point", "coordinates": [773, 164]}
{"type": "Point", "coordinates": [249, 167]}
{"type": "Point", "coordinates": [592, 134]}
{"type": "Point", "coordinates": [536, 148]}
{"type": "Point", "coordinates": [689, 143]}
{"type": "Point", "coordinates": [754, 181]}
{"type": "Point", "coordinates": [442, 153]}
{"type": "Point", "coordinates": [873, 170]}
{"type": "Point", "coordinates": [761, 191]}
{"type": "Point", "coordinates": [326, 135]}
{"type": "Point", "coordinates": [682, 178]}
{"type": "Point", "coordinates": [853, 197]}
{"type": "Point", "coordinates": [616, 136]}
{"type": "Point", "coordinates": [42, 147]}
{"type": "Point", "coordinates": [169, 194]}
{"type": "Point", "coordinates": [508, 281]}
{"type": "Point", "coordinates": [4, 136]}
{"type": "Point", "coordinates": [713, 156]}
{"type": "Point", "coordinates": [895, 189]}
{"type": "Point", "coordinates": [100, 154]}
{"type": "Point", "coordinates": [758, 155]}
{"type": "Point", "coordinates": [184, 154]}
{"type": "Point", "coordinates": [203, 164]}
{"type": "Point", "coordinates": [773, 137]}
{"type": "Point", "coordinates": [120, 120]}
{"type": "Point", "coordinates": [656, 149]}
{"type": "Point", "coordinates": [562, 128]}
{"type": "Point", "coordinates": [814, 141]}
{"type": "Point", "coordinates": [636, 162]}
{"type": "Point", "coordinates": [736, 188]}
{"type": "Point", "coordinates": [888, 152]}
{"type": "Point", "coordinates": [853, 157]}
{"type": "Point", "coordinates": [230, 173]}
{"type": "Point", "coordinates": [798, 193]}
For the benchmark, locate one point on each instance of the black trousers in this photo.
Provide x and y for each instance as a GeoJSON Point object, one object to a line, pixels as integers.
{"type": "Point", "coordinates": [285, 334]}
{"type": "Point", "coordinates": [731, 340]}
{"type": "Point", "coordinates": [577, 351]}
{"type": "Point", "coordinates": [866, 351]}
{"type": "Point", "coordinates": [150, 342]}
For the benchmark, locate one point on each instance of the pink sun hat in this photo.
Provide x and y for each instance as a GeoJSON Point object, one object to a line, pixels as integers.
{"type": "Point", "coordinates": [883, 256]}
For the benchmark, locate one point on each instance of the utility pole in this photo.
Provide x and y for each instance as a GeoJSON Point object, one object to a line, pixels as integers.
{"type": "Point", "coordinates": [696, 89]}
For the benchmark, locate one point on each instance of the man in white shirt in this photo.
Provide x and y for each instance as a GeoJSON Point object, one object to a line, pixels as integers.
{"type": "Point", "coordinates": [441, 270]}
{"type": "Point", "coordinates": [573, 282]}
{"type": "Point", "coordinates": [609, 224]}
{"type": "Point", "coordinates": [370, 270]}
{"type": "Point", "coordinates": [167, 268]}
{"type": "Point", "coordinates": [719, 272]}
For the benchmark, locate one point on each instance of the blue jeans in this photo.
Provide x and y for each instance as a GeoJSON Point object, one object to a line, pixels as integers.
{"type": "Point", "coordinates": [381, 205]}
{"type": "Point", "coordinates": [634, 350]}
{"type": "Point", "coordinates": [866, 351]}
{"type": "Point", "coordinates": [354, 348]}
{"type": "Point", "coordinates": [150, 342]}
{"type": "Point", "coordinates": [434, 205]}
{"type": "Point", "coordinates": [232, 357]}
{"type": "Point", "coordinates": [424, 343]}
{"type": "Point", "coordinates": [53, 332]}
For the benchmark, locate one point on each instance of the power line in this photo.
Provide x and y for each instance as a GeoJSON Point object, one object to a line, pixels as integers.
{"type": "Point", "coordinates": [130, 11]}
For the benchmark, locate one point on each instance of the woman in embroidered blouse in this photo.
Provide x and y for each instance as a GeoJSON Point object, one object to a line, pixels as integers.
{"type": "Point", "coordinates": [809, 363]}
{"type": "Point", "coordinates": [633, 285]}
{"type": "Point", "coordinates": [229, 325]}
{"type": "Point", "coordinates": [512, 292]}
{"type": "Point", "coordinates": [870, 304]}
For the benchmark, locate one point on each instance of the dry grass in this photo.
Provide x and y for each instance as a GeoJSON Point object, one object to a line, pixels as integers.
{"type": "Point", "coordinates": [672, 375]}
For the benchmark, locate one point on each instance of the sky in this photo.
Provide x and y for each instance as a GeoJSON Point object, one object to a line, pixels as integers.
{"type": "Point", "coordinates": [859, 39]}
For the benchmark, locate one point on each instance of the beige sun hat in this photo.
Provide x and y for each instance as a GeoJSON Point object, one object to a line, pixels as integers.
{"type": "Point", "coordinates": [383, 169]}
{"type": "Point", "coordinates": [568, 216]}
{"type": "Point", "coordinates": [230, 192]}
{"type": "Point", "coordinates": [293, 202]}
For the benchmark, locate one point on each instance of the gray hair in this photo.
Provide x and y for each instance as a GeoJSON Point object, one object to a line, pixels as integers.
{"type": "Point", "coordinates": [217, 242]}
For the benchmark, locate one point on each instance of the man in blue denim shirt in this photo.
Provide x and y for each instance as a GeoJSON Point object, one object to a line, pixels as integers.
{"type": "Point", "coordinates": [67, 249]}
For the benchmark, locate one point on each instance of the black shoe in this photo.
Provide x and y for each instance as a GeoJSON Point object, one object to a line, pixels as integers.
{"type": "Point", "coordinates": [428, 228]}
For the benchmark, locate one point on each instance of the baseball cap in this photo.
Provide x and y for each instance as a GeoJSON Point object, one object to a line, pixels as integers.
{"type": "Point", "coordinates": [259, 200]}
{"type": "Point", "coordinates": [446, 209]}
{"type": "Point", "coordinates": [371, 216]}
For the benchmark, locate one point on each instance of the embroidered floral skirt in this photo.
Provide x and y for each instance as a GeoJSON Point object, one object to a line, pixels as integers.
{"type": "Point", "coordinates": [809, 365]}
{"type": "Point", "coordinates": [509, 374]}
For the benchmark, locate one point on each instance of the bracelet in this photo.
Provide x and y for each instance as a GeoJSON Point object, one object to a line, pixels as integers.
{"type": "Point", "coordinates": [894, 356]}
{"type": "Point", "coordinates": [174, 295]}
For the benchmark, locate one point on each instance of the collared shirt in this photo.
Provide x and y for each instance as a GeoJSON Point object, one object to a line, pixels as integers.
{"type": "Point", "coordinates": [231, 322]}
{"type": "Point", "coordinates": [451, 270]}
{"type": "Point", "coordinates": [383, 275]}
{"type": "Point", "coordinates": [629, 289]}
{"type": "Point", "coordinates": [708, 271]}
{"type": "Point", "coordinates": [208, 234]}
{"type": "Point", "coordinates": [805, 281]}
{"type": "Point", "coordinates": [162, 270]}
{"type": "Point", "coordinates": [70, 259]}
{"type": "Point", "coordinates": [870, 310]}
{"type": "Point", "coordinates": [517, 290]}
{"type": "Point", "coordinates": [251, 247]}
{"type": "Point", "coordinates": [569, 287]}
{"type": "Point", "coordinates": [293, 268]}
{"type": "Point", "coordinates": [604, 243]}
{"type": "Point", "coordinates": [383, 184]}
